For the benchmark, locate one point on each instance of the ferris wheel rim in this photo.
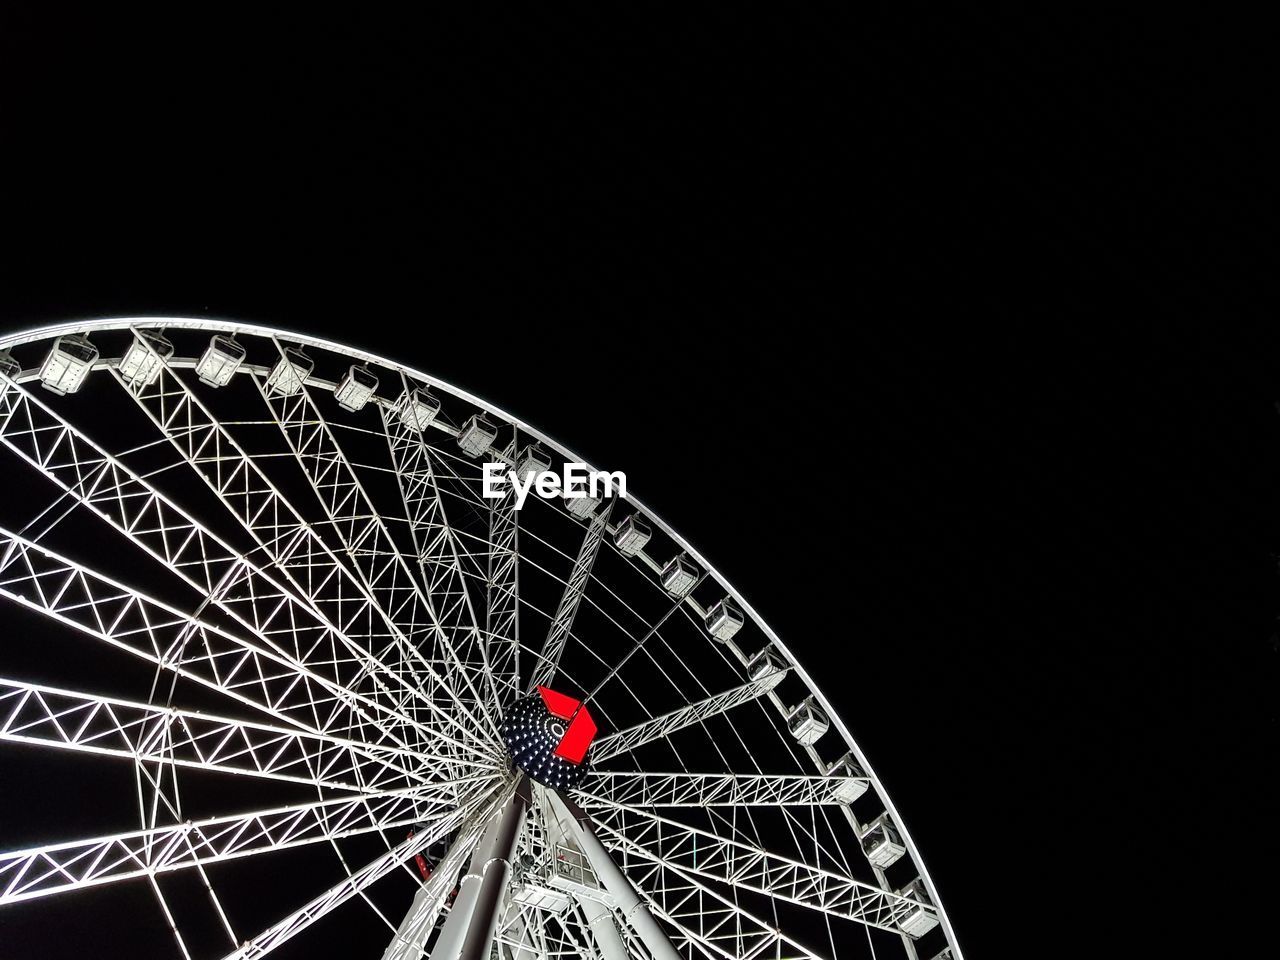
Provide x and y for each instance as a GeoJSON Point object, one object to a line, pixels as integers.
{"type": "Point", "coordinates": [44, 332]}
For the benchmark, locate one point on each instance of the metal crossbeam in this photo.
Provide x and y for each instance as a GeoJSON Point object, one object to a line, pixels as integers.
{"type": "Point", "coordinates": [370, 548]}
{"type": "Point", "coordinates": [502, 616]}
{"type": "Point", "coordinates": [55, 868]}
{"type": "Point", "coordinates": [51, 717]}
{"type": "Point", "coordinates": [707, 921]}
{"type": "Point", "coordinates": [291, 542]}
{"type": "Point", "coordinates": [643, 834]}
{"type": "Point", "coordinates": [264, 677]}
{"type": "Point", "coordinates": [711, 790]}
{"type": "Point", "coordinates": [561, 625]}
{"type": "Point", "coordinates": [94, 479]}
{"type": "Point", "coordinates": [434, 539]}
{"type": "Point", "coordinates": [669, 723]}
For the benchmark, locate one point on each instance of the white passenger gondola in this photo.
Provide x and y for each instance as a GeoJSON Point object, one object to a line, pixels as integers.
{"type": "Point", "coordinates": [417, 408]}
{"type": "Point", "coordinates": [67, 364]}
{"type": "Point", "coordinates": [724, 620]}
{"type": "Point", "coordinates": [141, 363]}
{"type": "Point", "coordinates": [631, 535]}
{"type": "Point", "coordinates": [356, 388]}
{"type": "Point", "coordinates": [765, 662]}
{"type": "Point", "coordinates": [581, 507]}
{"type": "Point", "coordinates": [9, 366]}
{"type": "Point", "coordinates": [477, 435]}
{"type": "Point", "coordinates": [854, 779]}
{"type": "Point", "coordinates": [290, 372]}
{"type": "Point", "coordinates": [220, 361]}
{"type": "Point", "coordinates": [916, 919]}
{"type": "Point", "coordinates": [807, 721]}
{"type": "Point", "coordinates": [532, 459]}
{"type": "Point", "coordinates": [679, 576]}
{"type": "Point", "coordinates": [881, 843]}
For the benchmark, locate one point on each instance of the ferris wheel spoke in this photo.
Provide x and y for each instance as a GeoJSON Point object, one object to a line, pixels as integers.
{"type": "Point", "coordinates": [327, 584]}
{"type": "Point", "coordinates": [640, 833]}
{"type": "Point", "coordinates": [438, 549]}
{"type": "Point", "coordinates": [355, 883]}
{"type": "Point", "coordinates": [715, 789]}
{"type": "Point", "coordinates": [561, 625]}
{"type": "Point", "coordinates": [365, 538]}
{"type": "Point", "coordinates": [502, 613]}
{"type": "Point", "coordinates": [308, 564]}
{"type": "Point", "coordinates": [708, 921]}
{"type": "Point", "coordinates": [56, 868]}
{"type": "Point", "coordinates": [99, 482]}
{"type": "Point", "coordinates": [51, 717]}
{"type": "Point", "coordinates": [704, 920]}
{"type": "Point", "coordinates": [42, 580]}
{"type": "Point", "coordinates": [669, 723]}
{"type": "Point", "coordinates": [377, 560]}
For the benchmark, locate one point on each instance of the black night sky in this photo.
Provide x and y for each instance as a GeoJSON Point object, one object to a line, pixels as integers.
{"type": "Point", "coordinates": [943, 337]}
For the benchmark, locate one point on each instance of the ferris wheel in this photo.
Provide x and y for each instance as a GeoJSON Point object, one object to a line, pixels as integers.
{"type": "Point", "coordinates": [552, 731]}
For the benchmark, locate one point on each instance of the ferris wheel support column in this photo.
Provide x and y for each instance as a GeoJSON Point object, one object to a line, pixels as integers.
{"type": "Point", "coordinates": [603, 931]}
{"type": "Point", "coordinates": [468, 933]}
{"type": "Point", "coordinates": [633, 908]}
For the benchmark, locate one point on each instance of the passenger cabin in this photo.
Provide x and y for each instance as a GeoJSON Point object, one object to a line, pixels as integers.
{"type": "Point", "coordinates": [916, 919]}
{"type": "Point", "coordinates": [881, 843]}
{"type": "Point", "coordinates": [356, 388]}
{"type": "Point", "coordinates": [807, 722]}
{"type": "Point", "coordinates": [220, 361]}
{"type": "Point", "coordinates": [724, 620]}
{"type": "Point", "coordinates": [290, 372]}
{"type": "Point", "coordinates": [631, 535]}
{"type": "Point", "coordinates": [417, 409]}
{"type": "Point", "coordinates": [581, 507]}
{"type": "Point", "coordinates": [67, 364]}
{"type": "Point", "coordinates": [141, 363]}
{"type": "Point", "coordinates": [532, 459]}
{"type": "Point", "coordinates": [854, 782]}
{"type": "Point", "coordinates": [679, 576]}
{"type": "Point", "coordinates": [477, 435]}
{"type": "Point", "coordinates": [9, 366]}
{"type": "Point", "coordinates": [764, 663]}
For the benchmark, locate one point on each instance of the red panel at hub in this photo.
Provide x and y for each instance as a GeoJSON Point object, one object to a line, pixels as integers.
{"type": "Point", "coordinates": [582, 728]}
{"type": "Point", "coordinates": [558, 704]}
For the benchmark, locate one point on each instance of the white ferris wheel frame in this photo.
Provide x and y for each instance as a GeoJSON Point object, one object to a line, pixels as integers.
{"type": "Point", "coordinates": [38, 697]}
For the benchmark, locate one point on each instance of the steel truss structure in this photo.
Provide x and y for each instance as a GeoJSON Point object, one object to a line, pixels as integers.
{"type": "Point", "coordinates": [286, 542]}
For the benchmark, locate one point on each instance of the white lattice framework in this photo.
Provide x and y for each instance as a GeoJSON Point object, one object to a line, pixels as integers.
{"type": "Point", "coordinates": [334, 618]}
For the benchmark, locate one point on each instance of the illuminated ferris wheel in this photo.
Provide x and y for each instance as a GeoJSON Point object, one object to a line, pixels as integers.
{"type": "Point", "coordinates": [520, 733]}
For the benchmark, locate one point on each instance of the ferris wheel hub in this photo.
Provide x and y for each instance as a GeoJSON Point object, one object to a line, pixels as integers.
{"type": "Point", "coordinates": [548, 735]}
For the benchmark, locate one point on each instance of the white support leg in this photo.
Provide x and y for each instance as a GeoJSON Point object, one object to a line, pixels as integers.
{"type": "Point", "coordinates": [634, 909]}
{"type": "Point", "coordinates": [603, 930]}
{"type": "Point", "coordinates": [474, 918]}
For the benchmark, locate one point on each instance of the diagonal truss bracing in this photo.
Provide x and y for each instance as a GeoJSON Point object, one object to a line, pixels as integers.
{"type": "Point", "coordinates": [55, 868]}
{"type": "Point", "coordinates": [296, 548]}
{"type": "Point", "coordinates": [648, 836]}
{"type": "Point", "coordinates": [52, 717]}
{"type": "Point", "coordinates": [712, 789]}
{"type": "Point", "coordinates": [561, 625]}
{"type": "Point", "coordinates": [669, 723]}
{"type": "Point", "coordinates": [432, 618]}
